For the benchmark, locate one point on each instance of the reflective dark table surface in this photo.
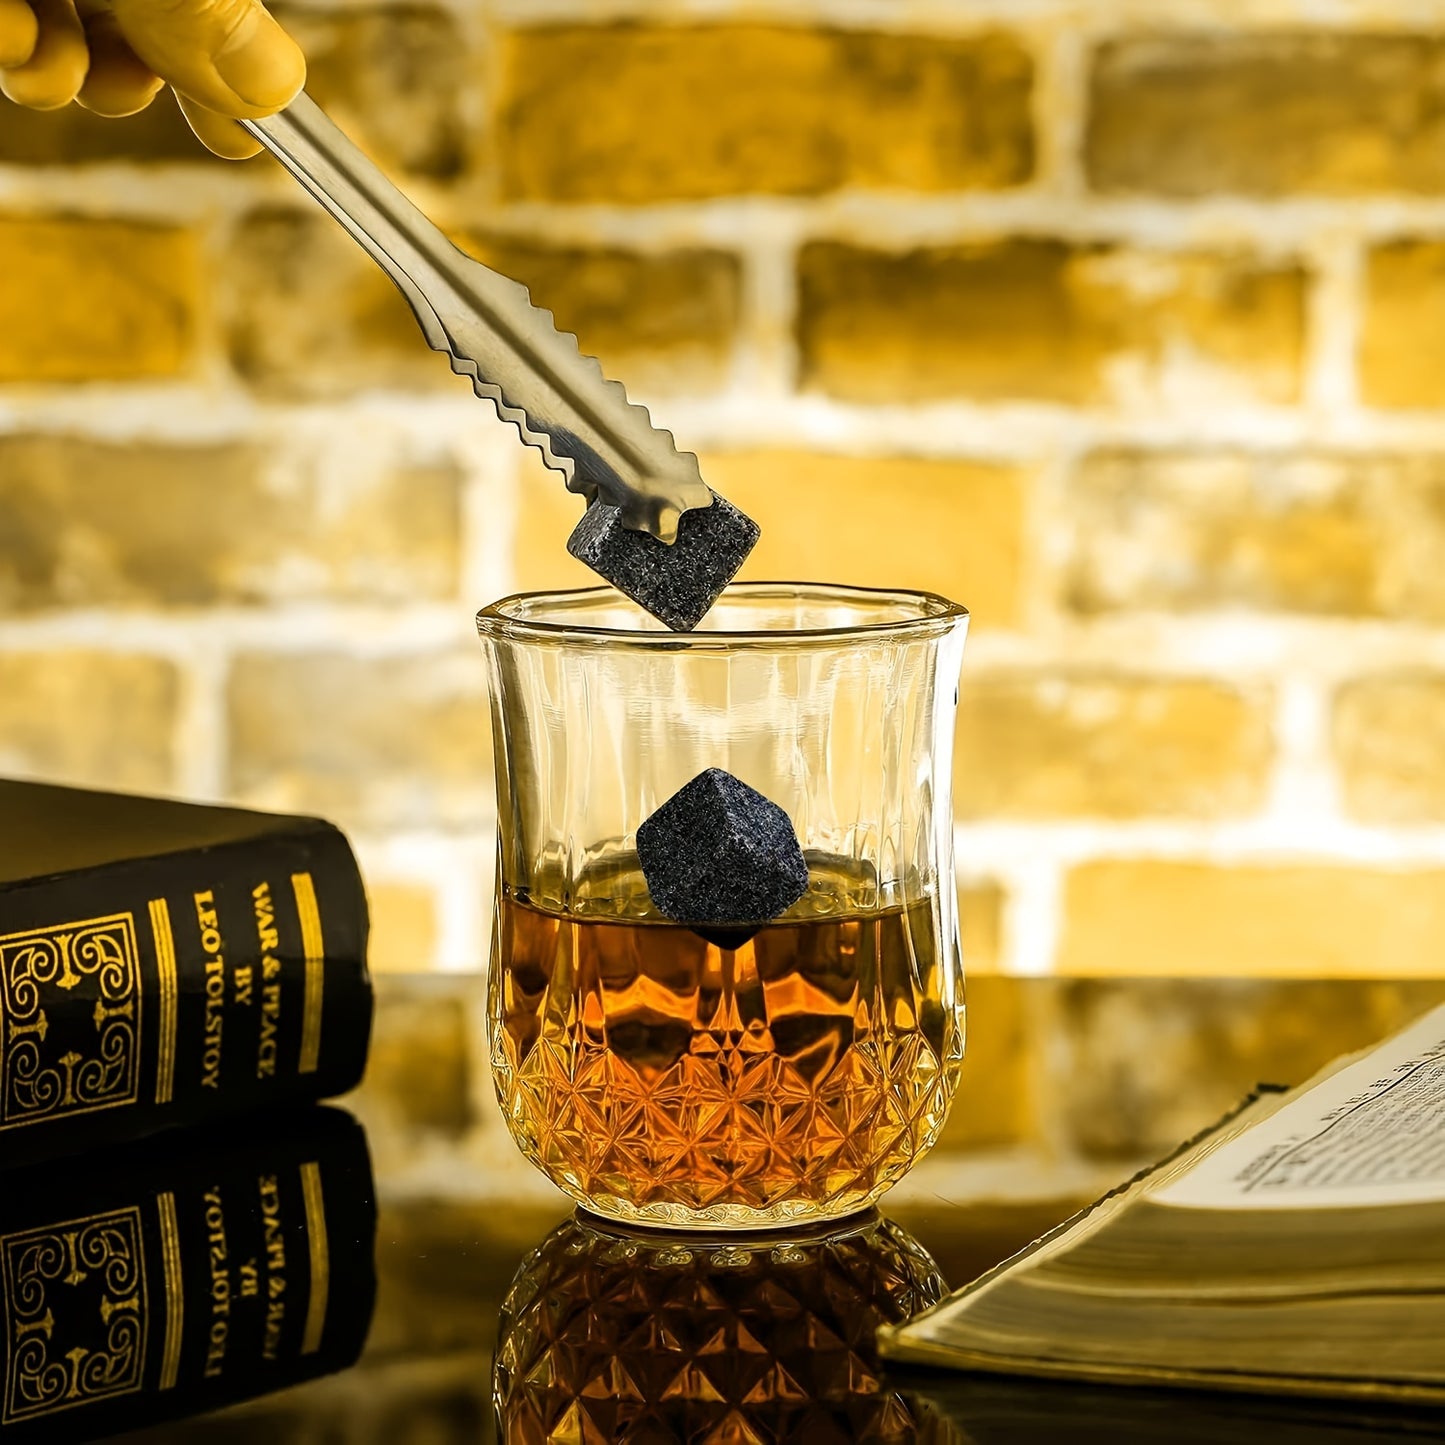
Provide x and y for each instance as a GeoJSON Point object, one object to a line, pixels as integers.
{"type": "Point", "coordinates": [530, 1324]}
{"type": "Point", "coordinates": [447, 1318]}
{"type": "Point", "coordinates": [527, 1326]}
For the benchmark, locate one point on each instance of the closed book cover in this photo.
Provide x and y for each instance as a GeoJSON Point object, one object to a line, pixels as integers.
{"type": "Point", "coordinates": [167, 963]}
{"type": "Point", "coordinates": [181, 1274]}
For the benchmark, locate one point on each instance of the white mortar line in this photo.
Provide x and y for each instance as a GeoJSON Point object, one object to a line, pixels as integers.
{"type": "Point", "coordinates": [997, 849]}
{"type": "Point", "coordinates": [1239, 648]}
{"type": "Point", "coordinates": [900, 219]}
{"type": "Point", "coordinates": [456, 869]}
{"type": "Point", "coordinates": [1021, 431]}
{"type": "Point", "coordinates": [1053, 204]}
{"type": "Point", "coordinates": [966, 16]}
{"type": "Point", "coordinates": [1047, 544]}
{"type": "Point", "coordinates": [765, 360]}
{"type": "Point", "coordinates": [180, 193]}
{"type": "Point", "coordinates": [938, 17]}
{"type": "Point", "coordinates": [492, 507]}
{"type": "Point", "coordinates": [203, 726]}
{"type": "Point", "coordinates": [1060, 102]}
{"type": "Point", "coordinates": [1302, 790]}
{"type": "Point", "coordinates": [1033, 914]}
{"type": "Point", "coordinates": [464, 944]}
{"type": "Point", "coordinates": [371, 631]}
{"type": "Point", "coordinates": [1006, 431]}
{"type": "Point", "coordinates": [1333, 326]}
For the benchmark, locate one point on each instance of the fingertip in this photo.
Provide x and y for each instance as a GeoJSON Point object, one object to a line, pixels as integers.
{"type": "Point", "coordinates": [117, 93]}
{"type": "Point", "coordinates": [218, 133]}
{"type": "Point", "coordinates": [19, 30]}
{"type": "Point", "coordinates": [228, 56]}
{"type": "Point", "coordinates": [261, 63]}
{"type": "Point", "coordinates": [45, 94]}
{"type": "Point", "coordinates": [51, 87]}
{"type": "Point", "coordinates": [52, 76]}
{"type": "Point", "coordinates": [118, 83]}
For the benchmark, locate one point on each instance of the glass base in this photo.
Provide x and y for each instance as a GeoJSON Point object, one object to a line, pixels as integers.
{"type": "Point", "coordinates": [786, 1215]}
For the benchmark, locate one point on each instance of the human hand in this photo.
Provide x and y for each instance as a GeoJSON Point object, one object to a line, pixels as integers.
{"type": "Point", "coordinates": [227, 60]}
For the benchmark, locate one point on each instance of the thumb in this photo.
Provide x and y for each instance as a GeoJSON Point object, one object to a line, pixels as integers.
{"type": "Point", "coordinates": [229, 55]}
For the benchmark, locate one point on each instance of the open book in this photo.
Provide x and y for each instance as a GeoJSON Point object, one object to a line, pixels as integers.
{"type": "Point", "coordinates": [1297, 1247]}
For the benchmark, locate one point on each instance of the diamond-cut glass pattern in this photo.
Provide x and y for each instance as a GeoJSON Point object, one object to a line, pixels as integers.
{"type": "Point", "coordinates": [661, 1079]}
{"type": "Point", "coordinates": [611, 1337]}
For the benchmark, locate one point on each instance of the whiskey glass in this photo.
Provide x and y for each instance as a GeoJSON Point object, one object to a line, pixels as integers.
{"type": "Point", "coordinates": [787, 1074]}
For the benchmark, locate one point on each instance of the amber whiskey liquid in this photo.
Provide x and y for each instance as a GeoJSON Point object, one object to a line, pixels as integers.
{"type": "Point", "coordinates": [666, 1079]}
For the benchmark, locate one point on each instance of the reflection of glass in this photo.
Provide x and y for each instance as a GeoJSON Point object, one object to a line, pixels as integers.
{"type": "Point", "coordinates": [769, 1075]}
{"type": "Point", "coordinates": [609, 1335]}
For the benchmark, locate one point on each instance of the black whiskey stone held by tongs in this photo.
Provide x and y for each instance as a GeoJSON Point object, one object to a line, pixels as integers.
{"type": "Point", "coordinates": [652, 528]}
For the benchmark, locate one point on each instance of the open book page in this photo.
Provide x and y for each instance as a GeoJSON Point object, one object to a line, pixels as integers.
{"type": "Point", "coordinates": [1369, 1133]}
{"type": "Point", "coordinates": [916, 1339]}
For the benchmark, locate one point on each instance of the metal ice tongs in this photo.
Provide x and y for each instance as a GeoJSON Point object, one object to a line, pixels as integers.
{"type": "Point", "coordinates": [583, 424]}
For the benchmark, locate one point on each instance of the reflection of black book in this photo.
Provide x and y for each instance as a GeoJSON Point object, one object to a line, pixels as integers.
{"type": "Point", "coordinates": [182, 1274]}
{"type": "Point", "coordinates": [163, 964]}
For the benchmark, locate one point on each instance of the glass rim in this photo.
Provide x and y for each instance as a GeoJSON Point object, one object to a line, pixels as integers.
{"type": "Point", "coordinates": [935, 614]}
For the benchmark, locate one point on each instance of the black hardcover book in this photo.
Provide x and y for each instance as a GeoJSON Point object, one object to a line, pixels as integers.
{"type": "Point", "coordinates": [166, 964]}
{"type": "Point", "coordinates": [185, 1273]}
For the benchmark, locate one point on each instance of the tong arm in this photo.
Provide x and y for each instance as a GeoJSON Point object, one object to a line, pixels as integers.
{"type": "Point", "coordinates": [559, 400]}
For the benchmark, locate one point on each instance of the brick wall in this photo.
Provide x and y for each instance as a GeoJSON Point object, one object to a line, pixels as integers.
{"type": "Point", "coordinates": [1134, 313]}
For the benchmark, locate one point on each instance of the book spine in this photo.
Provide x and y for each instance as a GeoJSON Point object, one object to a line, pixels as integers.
{"type": "Point", "coordinates": [179, 989]}
{"type": "Point", "coordinates": [160, 1289]}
